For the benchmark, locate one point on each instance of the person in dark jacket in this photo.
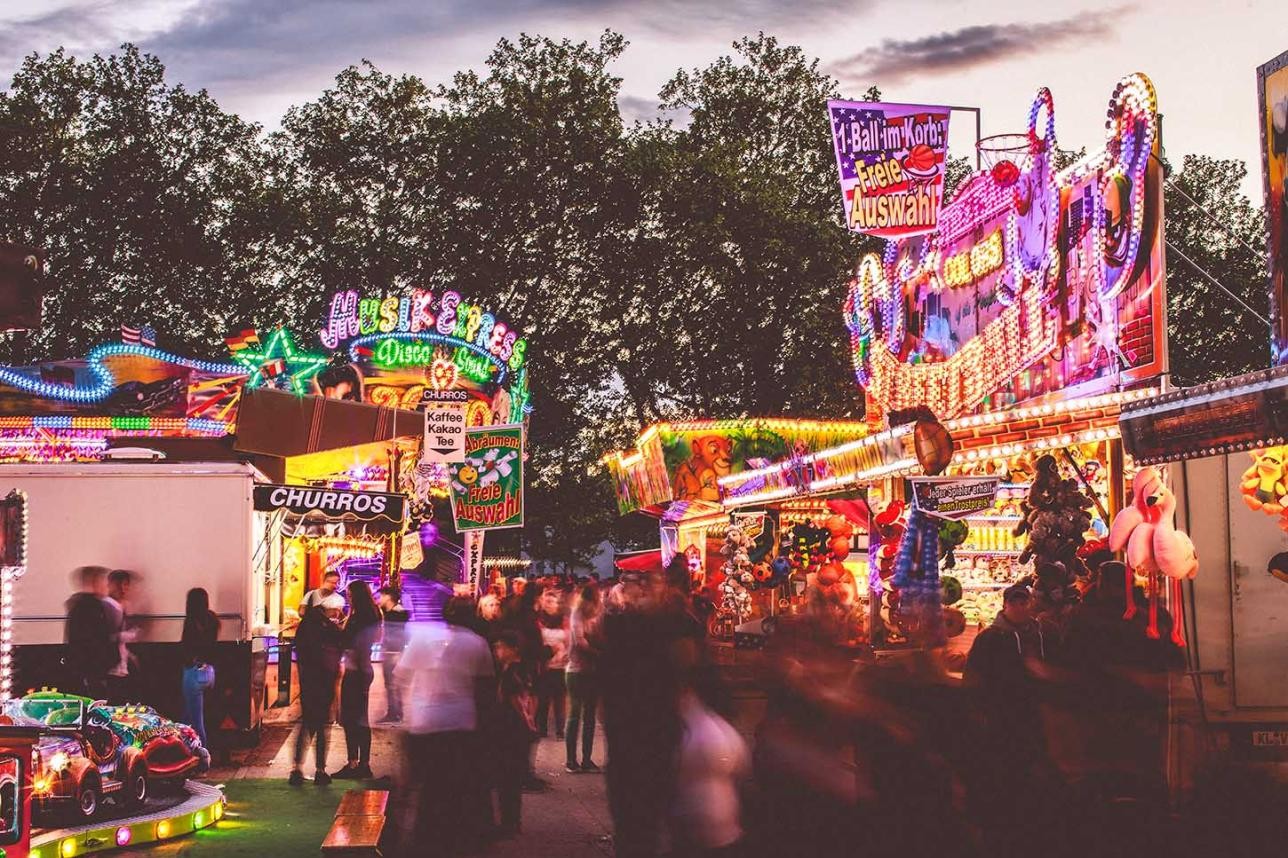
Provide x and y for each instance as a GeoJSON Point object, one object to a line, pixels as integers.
{"type": "Point", "coordinates": [200, 632]}
{"type": "Point", "coordinates": [640, 672]}
{"type": "Point", "coordinates": [998, 666]}
{"type": "Point", "coordinates": [519, 617]}
{"type": "Point", "coordinates": [90, 649]}
{"type": "Point", "coordinates": [1003, 674]}
{"type": "Point", "coordinates": [514, 729]}
{"type": "Point", "coordinates": [319, 644]}
{"type": "Point", "coordinates": [361, 631]}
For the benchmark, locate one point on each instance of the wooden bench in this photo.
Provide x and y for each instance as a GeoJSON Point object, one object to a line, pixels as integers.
{"type": "Point", "coordinates": [359, 824]}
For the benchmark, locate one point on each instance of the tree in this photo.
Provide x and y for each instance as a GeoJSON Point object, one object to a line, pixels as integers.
{"type": "Point", "coordinates": [1209, 334]}
{"type": "Point", "coordinates": [748, 254]}
{"type": "Point", "coordinates": [353, 174]}
{"type": "Point", "coordinates": [147, 198]}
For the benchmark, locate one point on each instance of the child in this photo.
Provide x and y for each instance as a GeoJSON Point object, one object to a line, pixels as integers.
{"type": "Point", "coordinates": [515, 729]}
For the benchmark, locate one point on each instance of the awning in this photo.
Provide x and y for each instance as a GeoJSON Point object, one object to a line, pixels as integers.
{"type": "Point", "coordinates": [275, 423]}
{"type": "Point", "coordinates": [1242, 412]}
{"type": "Point", "coordinates": [651, 561]}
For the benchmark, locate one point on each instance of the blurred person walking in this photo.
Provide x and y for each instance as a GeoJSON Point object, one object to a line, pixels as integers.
{"type": "Point", "coordinates": [640, 682]}
{"type": "Point", "coordinates": [119, 583]}
{"type": "Point", "coordinates": [520, 618]}
{"type": "Point", "coordinates": [448, 682]}
{"type": "Point", "coordinates": [90, 650]}
{"type": "Point", "coordinates": [713, 759]}
{"type": "Point", "coordinates": [516, 729]}
{"type": "Point", "coordinates": [200, 633]}
{"type": "Point", "coordinates": [581, 679]}
{"type": "Point", "coordinates": [319, 646]}
{"type": "Point", "coordinates": [551, 689]}
{"type": "Point", "coordinates": [392, 644]}
{"type": "Point", "coordinates": [361, 631]}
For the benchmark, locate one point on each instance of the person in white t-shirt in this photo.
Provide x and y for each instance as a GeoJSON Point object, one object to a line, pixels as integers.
{"type": "Point", "coordinates": [706, 814]}
{"type": "Point", "coordinates": [326, 595]}
{"type": "Point", "coordinates": [447, 677]}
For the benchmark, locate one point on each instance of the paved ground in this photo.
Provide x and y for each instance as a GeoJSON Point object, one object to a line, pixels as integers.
{"type": "Point", "coordinates": [569, 820]}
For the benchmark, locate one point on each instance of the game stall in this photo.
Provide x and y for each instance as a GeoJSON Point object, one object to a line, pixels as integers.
{"type": "Point", "coordinates": [280, 462]}
{"type": "Point", "coordinates": [997, 339]}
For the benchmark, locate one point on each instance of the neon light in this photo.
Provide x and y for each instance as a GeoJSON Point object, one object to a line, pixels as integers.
{"type": "Point", "coordinates": [448, 321]}
{"type": "Point", "coordinates": [279, 362]}
{"type": "Point", "coordinates": [8, 575]}
{"type": "Point", "coordinates": [1020, 222]}
{"type": "Point", "coordinates": [123, 836]}
{"type": "Point", "coordinates": [387, 350]}
{"type": "Point", "coordinates": [443, 374]}
{"type": "Point", "coordinates": [104, 381]}
{"type": "Point", "coordinates": [964, 268]}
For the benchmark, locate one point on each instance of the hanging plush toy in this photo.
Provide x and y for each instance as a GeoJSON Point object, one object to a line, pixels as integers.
{"type": "Point", "coordinates": [916, 576]}
{"type": "Point", "coordinates": [952, 533]}
{"type": "Point", "coordinates": [737, 565]}
{"type": "Point", "coordinates": [1155, 548]}
{"type": "Point", "coordinates": [1056, 517]}
{"type": "Point", "coordinates": [1265, 484]}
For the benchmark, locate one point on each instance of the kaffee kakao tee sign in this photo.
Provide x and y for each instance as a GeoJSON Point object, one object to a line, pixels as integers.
{"type": "Point", "coordinates": [891, 162]}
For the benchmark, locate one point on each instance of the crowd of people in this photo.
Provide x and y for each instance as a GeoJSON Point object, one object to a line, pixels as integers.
{"type": "Point", "coordinates": [544, 659]}
{"type": "Point", "coordinates": [1049, 733]}
{"type": "Point", "coordinates": [98, 631]}
{"type": "Point", "coordinates": [1050, 730]}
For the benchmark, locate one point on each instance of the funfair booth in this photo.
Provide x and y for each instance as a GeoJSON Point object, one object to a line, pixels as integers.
{"type": "Point", "coordinates": [250, 476]}
{"type": "Point", "coordinates": [999, 339]}
{"type": "Point", "coordinates": [1226, 445]}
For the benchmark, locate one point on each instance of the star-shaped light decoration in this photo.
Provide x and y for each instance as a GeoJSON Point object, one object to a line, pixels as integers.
{"type": "Point", "coordinates": [276, 363]}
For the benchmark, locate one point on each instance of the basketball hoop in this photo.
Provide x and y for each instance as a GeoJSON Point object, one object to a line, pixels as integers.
{"type": "Point", "coordinates": [1016, 148]}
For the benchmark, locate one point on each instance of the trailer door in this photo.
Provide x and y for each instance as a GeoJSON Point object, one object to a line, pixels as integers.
{"type": "Point", "coordinates": [1259, 603]}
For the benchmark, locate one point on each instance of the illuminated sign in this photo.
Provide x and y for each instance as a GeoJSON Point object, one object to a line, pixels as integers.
{"type": "Point", "coordinates": [964, 268]}
{"type": "Point", "coordinates": [890, 158]}
{"type": "Point", "coordinates": [1033, 282]}
{"type": "Point", "coordinates": [419, 324]}
{"type": "Point", "coordinates": [330, 503]}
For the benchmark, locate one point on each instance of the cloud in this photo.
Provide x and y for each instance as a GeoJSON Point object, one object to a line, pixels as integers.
{"type": "Point", "coordinates": [83, 26]}
{"type": "Point", "coordinates": [258, 56]}
{"type": "Point", "coordinates": [636, 109]}
{"type": "Point", "coordinates": [968, 47]}
{"type": "Point", "coordinates": [214, 41]}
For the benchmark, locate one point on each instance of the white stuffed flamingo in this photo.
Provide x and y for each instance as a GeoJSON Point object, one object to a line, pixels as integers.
{"type": "Point", "coordinates": [1154, 547]}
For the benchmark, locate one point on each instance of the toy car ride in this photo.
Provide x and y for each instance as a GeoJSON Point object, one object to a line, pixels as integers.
{"type": "Point", "coordinates": [90, 752]}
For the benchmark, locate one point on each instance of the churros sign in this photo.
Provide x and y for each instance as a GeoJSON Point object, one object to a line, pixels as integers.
{"type": "Point", "coordinates": [890, 158]}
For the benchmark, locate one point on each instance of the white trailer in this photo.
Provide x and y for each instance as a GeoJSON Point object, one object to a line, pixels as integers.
{"type": "Point", "coordinates": [1239, 616]}
{"type": "Point", "coordinates": [175, 526]}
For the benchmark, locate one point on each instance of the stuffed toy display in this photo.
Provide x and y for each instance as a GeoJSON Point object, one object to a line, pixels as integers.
{"type": "Point", "coordinates": [1056, 515]}
{"type": "Point", "coordinates": [1155, 548]}
{"type": "Point", "coordinates": [1264, 486]}
{"type": "Point", "coordinates": [916, 577]}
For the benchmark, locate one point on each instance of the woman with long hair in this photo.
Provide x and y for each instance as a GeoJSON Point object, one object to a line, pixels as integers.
{"type": "Point", "coordinates": [200, 632]}
{"type": "Point", "coordinates": [361, 631]}
{"type": "Point", "coordinates": [579, 674]}
{"type": "Point", "coordinates": [318, 646]}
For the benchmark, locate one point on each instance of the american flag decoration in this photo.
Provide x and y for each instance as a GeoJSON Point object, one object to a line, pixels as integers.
{"type": "Point", "coordinates": [144, 335]}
